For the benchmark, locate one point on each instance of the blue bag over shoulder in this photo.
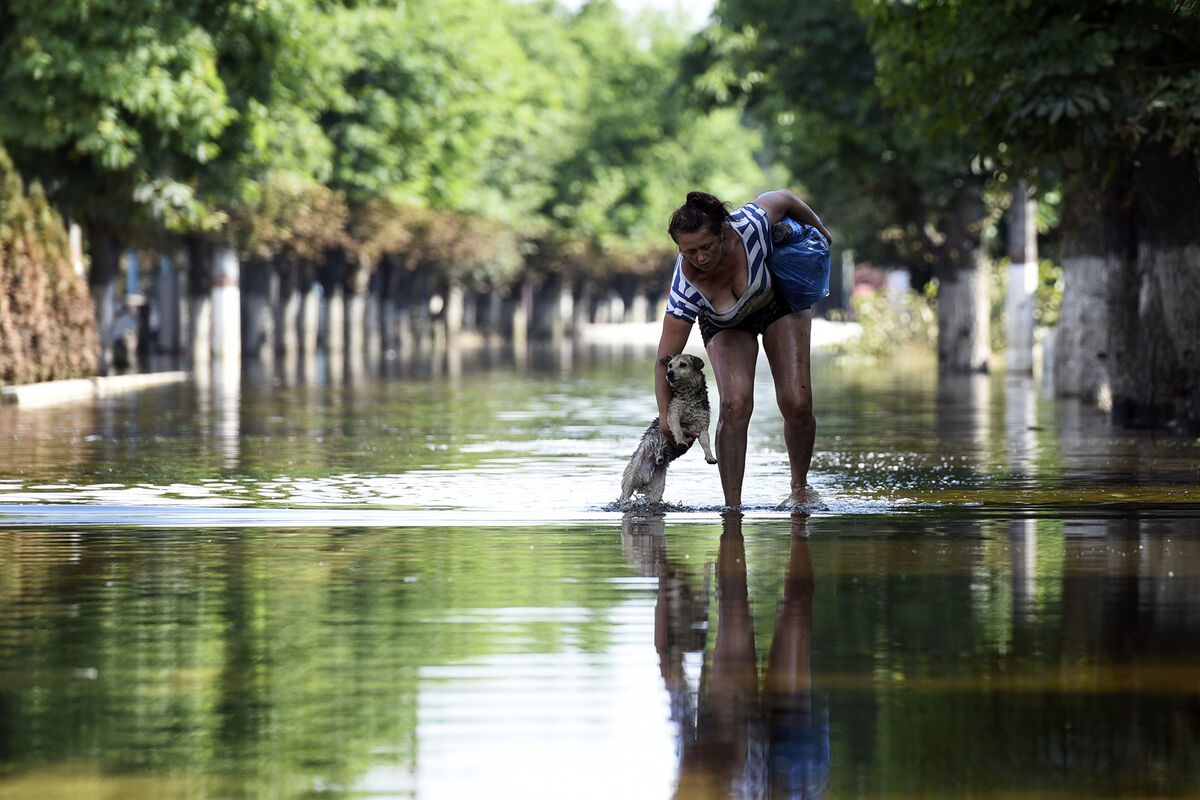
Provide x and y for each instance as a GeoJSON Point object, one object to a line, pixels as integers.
{"type": "Point", "coordinates": [800, 266]}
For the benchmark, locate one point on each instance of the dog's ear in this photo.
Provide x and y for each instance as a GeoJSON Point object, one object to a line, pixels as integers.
{"type": "Point", "coordinates": [697, 362]}
{"type": "Point", "coordinates": [665, 360]}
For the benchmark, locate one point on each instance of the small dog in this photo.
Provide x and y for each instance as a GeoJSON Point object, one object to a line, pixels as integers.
{"type": "Point", "coordinates": [646, 471]}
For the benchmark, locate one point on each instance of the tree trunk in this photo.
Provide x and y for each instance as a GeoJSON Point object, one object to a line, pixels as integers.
{"type": "Point", "coordinates": [454, 313]}
{"type": "Point", "coordinates": [310, 312]}
{"type": "Point", "coordinates": [964, 305]}
{"type": "Point", "coordinates": [389, 311]}
{"type": "Point", "coordinates": [287, 312]}
{"type": "Point", "coordinates": [226, 303]}
{"type": "Point", "coordinates": [199, 255]}
{"type": "Point", "coordinates": [373, 321]}
{"type": "Point", "coordinates": [357, 287]}
{"type": "Point", "coordinates": [1097, 247]}
{"type": "Point", "coordinates": [1080, 366]}
{"type": "Point", "coordinates": [258, 318]}
{"type": "Point", "coordinates": [102, 280]}
{"type": "Point", "coordinates": [1022, 280]}
{"type": "Point", "coordinates": [1129, 329]}
{"type": "Point", "coordinates": [167, 292]}
{"type": "Point", "coordinates": [1155, 337]}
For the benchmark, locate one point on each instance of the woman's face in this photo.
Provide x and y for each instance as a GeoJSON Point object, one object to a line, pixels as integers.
{"type": "Point", "coordinates": [702, 249]}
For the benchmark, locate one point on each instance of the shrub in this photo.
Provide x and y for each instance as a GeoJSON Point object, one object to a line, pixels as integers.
{"type": "Point", "coordinates": [47, 319]}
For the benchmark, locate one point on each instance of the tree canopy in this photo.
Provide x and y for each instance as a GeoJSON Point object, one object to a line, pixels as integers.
{"type": "Point", "coordinates": [1022, 80]}
{"type": "Point", "coordinates": [182, 116]}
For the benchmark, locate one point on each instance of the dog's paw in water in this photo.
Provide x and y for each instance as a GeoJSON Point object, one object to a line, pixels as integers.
{"type": "Point", "coordinates": [642, 505]}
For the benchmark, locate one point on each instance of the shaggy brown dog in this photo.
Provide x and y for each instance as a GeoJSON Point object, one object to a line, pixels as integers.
{"type": "Point", "coordinates": [646, 471]}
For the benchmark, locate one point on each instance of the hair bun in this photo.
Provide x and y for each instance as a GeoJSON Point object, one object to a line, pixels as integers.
{"type": "Point", "coordinates": [701, 210]}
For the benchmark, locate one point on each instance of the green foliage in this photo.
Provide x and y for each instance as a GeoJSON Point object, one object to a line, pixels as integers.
{"type": "Point", "coordinates": [1047, 298]}
{"type": "Point", "coordinates": [640, 145]}
{"type": "Point", "coordinates": [442, 108]}
{"type": "Point", "coordinates": [293, 218]}
{"type": "Point", "coordinates": [472, 249]}
{"type": "Point", "coordinates": [808, 76]}
{"type": "Point", "coordinates": [893, 321]}
{"type": "Point", "coordinates": [509, 123]}
{"type": "Point", "coordinates": [108, 103]}
{"type": "Point", "coordinates": [156, 115]}
{"type": "Point", "coordinates": [1022, 80]}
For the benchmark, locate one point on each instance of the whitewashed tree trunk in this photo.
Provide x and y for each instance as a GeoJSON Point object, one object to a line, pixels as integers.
{"type": "Point", "coordinates": [964, 296]}
{"type": "Point", "coordinates": [1022, 281]}
{"type": "Point", "coordinates": [963, 303]}
{"type": "Point", "coordinates": [226, 306]}
{"type": "Point", "coordinates": [455, 311]}
{"type": "Point", "coordinates": [200, 329]}
{"type": "Point", "coordinates": [309, 322]}
{"type": "Point", "coordinates": [102, 280]}
{"type": "Point", "coordinates": [335, 319]}
{"type": "Point", "coordinates": [1081, 340]}
{"type": "Point", "coordinates": [258, 314]}
{"type": "Point", "coordinates": [287, 316]}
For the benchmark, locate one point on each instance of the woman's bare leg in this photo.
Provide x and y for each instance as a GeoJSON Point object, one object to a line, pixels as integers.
{"type": "Point", "coordinates": [787, 344]}
{"type": "Point", "coordinates": [733, 355]}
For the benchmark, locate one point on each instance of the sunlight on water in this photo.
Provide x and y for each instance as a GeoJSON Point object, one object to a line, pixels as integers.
{"type": "Point", "coordinates": [423, 588]}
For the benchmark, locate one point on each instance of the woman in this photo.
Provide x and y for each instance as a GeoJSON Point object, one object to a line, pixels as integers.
{"type": "Point", "coordinates": [721, 279]}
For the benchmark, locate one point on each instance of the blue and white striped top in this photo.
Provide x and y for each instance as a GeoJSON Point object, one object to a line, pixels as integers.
{"type": "Point", "coordinates": [686, 302]}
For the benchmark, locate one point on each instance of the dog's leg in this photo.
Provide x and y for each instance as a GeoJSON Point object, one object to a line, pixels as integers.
{"type": "Point", "coordinates": [656, 485]}
{"type": "Point", "coordinates": [626, 487]}
{"type": "Point", "coordinates": [675, 425]}
{"type": "Point", "coordinates": [631, 477]}
{"type": "Point", "coordinates": [704, 443]}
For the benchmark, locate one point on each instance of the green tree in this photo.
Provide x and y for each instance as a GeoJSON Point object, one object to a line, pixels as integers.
{"type": "Point", "coordinates": [443, 108]}
{"type": "Point", "coordinates": [146, 116]}
{"type": "Point", "coordinates": [641, 146]}
{"type": "Point", "coordinates": [889, 192]}
{"type": "Point", "coordinates": [106, 104]}
{"type": "Point", "coordinates": [1107, 92]}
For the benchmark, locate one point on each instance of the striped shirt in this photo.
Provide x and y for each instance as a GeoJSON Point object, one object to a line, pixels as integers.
{"type": "Point", "coordinates": [686, 302]}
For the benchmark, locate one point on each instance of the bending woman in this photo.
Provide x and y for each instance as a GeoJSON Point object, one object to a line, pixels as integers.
{"type": "Point", "coordinates": [721, 279]}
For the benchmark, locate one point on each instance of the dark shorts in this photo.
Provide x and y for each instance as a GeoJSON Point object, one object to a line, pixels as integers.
{"type": "Point", "coordinates": [755, 323]}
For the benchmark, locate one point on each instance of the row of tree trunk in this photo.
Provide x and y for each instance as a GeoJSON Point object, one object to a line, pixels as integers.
{"type": "Point", "coordinates": [206, 306]}
{"type": "Point", "coordinates": [1129, 330]}
{"type": "Point", "coordinates": [1127, 337]}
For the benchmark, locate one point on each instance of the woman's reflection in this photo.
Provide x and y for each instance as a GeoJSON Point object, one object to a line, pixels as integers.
{"type": "Point", "coordinates": [743, 739]}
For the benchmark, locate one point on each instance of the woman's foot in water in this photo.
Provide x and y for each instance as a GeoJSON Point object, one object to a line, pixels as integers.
{"type": "Point", "coordinates": [806, 499]}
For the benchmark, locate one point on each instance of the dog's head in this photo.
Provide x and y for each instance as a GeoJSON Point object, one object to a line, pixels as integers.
{"type": "Point", "coordinates": [682, 369]}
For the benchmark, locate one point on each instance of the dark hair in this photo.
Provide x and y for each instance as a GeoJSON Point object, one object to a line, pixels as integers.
{"type": "Point", "coordinates": [701, 211]}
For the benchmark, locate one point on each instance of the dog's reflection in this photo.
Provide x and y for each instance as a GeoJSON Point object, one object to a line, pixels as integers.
{"type": "Point", "coordinates": [739, 736]}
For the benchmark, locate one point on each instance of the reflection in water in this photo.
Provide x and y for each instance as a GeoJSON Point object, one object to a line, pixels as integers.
{"type": "Point", "coordinates": [226, 398]}
{"type": "Point", "coordinates": [738, 737]}
{"type": "Point", "coordinates": [1020, 428]}
{"type": "Point", "coordinates": [412, 588]}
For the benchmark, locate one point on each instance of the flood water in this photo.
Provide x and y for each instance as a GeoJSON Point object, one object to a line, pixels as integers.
{"type": "Point", "coordinates": [416, 584]}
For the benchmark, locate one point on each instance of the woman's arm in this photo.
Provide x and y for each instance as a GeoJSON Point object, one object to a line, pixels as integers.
{"type": "Point", "coordinates": [674, 338]}
{"type": "Point", "coordinates": [783, 203]}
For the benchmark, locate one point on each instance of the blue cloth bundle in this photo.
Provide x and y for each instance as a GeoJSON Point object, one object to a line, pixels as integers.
{"type": "Point", "coordinates": [800, 266]}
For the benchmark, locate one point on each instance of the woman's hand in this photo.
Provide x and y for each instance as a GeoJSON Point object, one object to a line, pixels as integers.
{"type": "Point", "coordinates": [784, 203]}
{"type": "Point", "coordinates": [689, 435]}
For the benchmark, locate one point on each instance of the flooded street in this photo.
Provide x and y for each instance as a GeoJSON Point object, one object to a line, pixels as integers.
{"type": "Point", "coordinates": [417, 584]}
